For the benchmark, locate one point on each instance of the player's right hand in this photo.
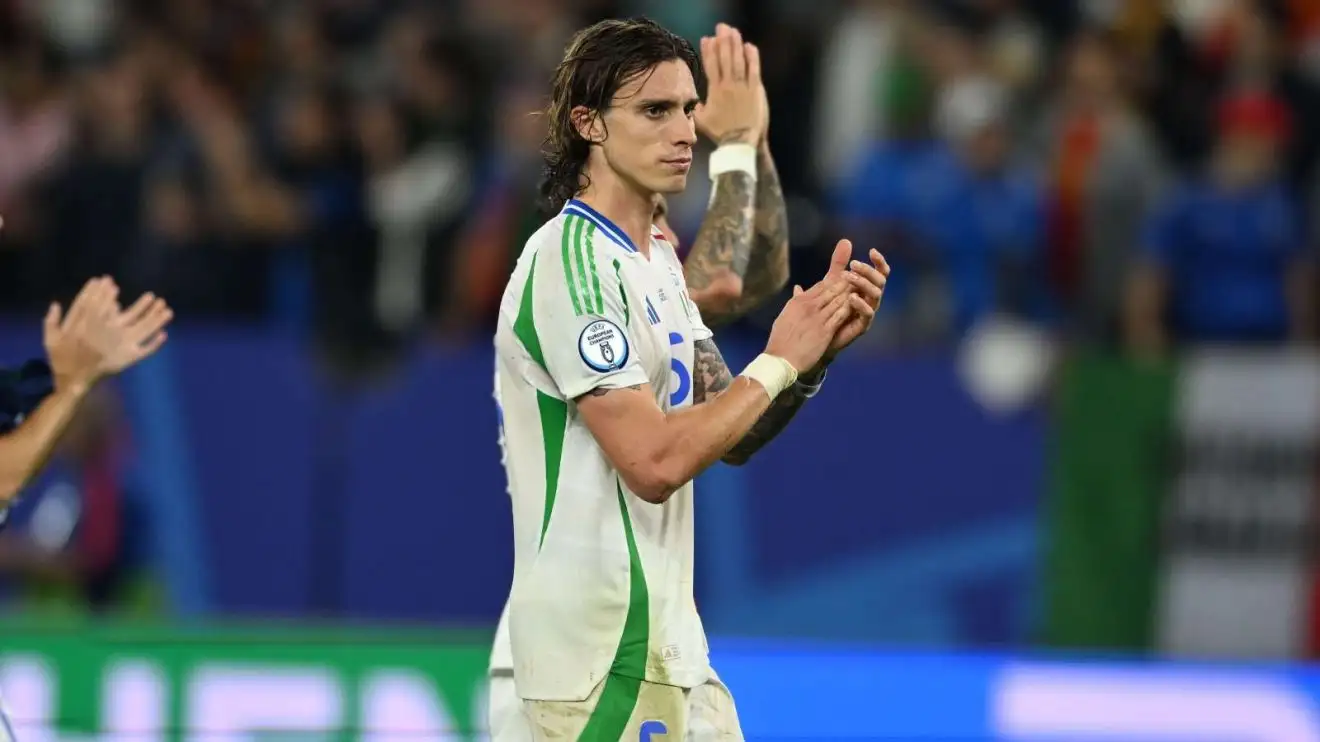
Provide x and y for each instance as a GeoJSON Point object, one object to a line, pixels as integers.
{"type": "Point", "coordinates": [734, 109]}
{"type": "Point", "coordinates": [806, 326]}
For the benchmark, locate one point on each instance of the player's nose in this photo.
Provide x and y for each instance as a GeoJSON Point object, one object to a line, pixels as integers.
{"type": "Point", "coordinates": [685, 132]}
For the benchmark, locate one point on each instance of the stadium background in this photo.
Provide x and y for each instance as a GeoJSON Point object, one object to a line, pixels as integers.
{"type": "Point", "coordinates": [1013, 514]}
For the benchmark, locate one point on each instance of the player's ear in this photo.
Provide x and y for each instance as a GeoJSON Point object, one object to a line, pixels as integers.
{"type": "Point", "coordinates": [588, 124]}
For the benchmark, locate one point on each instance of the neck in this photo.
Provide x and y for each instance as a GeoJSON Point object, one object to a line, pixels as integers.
{"type": "Point", "coordinates": [626, 206]}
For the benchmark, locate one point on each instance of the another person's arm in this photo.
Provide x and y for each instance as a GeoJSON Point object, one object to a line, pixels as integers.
{"type": "Point", "coordinates": [93, 340]}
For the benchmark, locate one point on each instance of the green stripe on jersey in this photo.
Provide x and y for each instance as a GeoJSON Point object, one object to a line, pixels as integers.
{"type": "Point", "coordinates": [524, 327]}
{"type": "Point", "coordinates": [618, 275]}
{"type": "Point", "coordinates": [554, 426]}
{"type": "Point", "coordinates": [595, 278]}
{"type": "Point", "coordinates": [623, 685]}
{"type": "Point", "coordinates": [554, 412]}
{"type": "Point", "coordinates": [579, 255]}
{"type": "Point", "coordinates": [630, 659]}
{"type": "Point", "coordinates": [566, 241]}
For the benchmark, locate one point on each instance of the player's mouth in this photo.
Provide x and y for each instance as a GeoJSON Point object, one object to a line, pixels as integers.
{"type": "Point", "coordinates": [681, 164]}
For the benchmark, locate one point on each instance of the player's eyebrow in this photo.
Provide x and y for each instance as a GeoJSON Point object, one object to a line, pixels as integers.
{"type": "Point", "coordinates": [666, 103]}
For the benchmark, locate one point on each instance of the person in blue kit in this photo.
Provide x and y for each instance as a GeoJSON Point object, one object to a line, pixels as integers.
{"type": "Point", "coordinates": [1225, 260]}
{"type": "Point", "coordinates": [964, 221]}
{"type": "Point", "coordinates": [95, 338]}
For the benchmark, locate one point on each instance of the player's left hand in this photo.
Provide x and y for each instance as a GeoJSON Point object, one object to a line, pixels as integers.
{"type": "Point", "coordinates": [868, 284]}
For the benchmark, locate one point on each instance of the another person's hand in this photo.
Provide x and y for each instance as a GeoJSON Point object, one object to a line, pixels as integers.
{"type": "Point", "coordinates": [95, 338]}
{"type": "Point", "coordinates": [76, 355]}
{"type": "Point", "coordinates": [136, 333]}
{"type": "Point", "coordinates": [734, 109]}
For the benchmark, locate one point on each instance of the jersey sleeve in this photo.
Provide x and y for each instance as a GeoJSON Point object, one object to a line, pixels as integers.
{"type": "Point", "coordinates": [582, 318]}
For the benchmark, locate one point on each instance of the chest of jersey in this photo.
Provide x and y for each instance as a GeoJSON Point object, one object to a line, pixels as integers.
{"type": "Point", "coordinates": [660, 322]}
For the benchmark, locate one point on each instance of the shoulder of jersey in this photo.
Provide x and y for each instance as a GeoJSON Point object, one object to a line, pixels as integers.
{"type": "Point", "coordinates": [659, 238]}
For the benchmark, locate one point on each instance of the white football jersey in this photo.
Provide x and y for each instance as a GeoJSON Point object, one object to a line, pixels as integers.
{"type": "Point", "coordinates": [602, 579]}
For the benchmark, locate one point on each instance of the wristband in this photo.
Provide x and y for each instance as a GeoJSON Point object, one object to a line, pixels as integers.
{"type": "Point", "coordinates": [773, 373]}
{"type": "Point", "coordinates": [807, 391]}
{"type": "Point", "coordinates": [731, 158]}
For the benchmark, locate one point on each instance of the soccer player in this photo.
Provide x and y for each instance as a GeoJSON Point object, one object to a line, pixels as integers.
{"type": "Point", "coordinates": [730, 269]}
{"type": "Point", "coordinates": [606, 642]}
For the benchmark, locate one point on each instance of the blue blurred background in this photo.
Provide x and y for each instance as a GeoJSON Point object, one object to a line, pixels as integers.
{"type": "Point", "coordinates": [1086, 424]}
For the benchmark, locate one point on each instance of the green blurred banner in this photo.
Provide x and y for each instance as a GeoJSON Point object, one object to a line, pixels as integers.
{"type": "Point", "coordinates": [1110, 467]}
{"type": "Point", "coordinates": [161, 684]}
{"type": "Point", "coordinates": [1182, 504]}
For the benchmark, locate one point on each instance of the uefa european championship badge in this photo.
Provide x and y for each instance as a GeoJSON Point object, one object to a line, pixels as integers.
{"type": "Point", "coordinates": [603, 346]}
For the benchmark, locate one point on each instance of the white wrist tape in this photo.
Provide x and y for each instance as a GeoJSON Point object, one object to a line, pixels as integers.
{"type": "Point", "coordinates": [773, 373]}
{"type": "Point", "coordinates": [730, 158]}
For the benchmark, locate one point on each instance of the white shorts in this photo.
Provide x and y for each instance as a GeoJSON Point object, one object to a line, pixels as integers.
{"type": "Point", "coordinates": [703, 714]}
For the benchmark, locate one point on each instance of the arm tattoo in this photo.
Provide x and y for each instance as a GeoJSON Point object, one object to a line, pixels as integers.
{"type": "Point", "coordinates": [764, 269]}
{"type": "Point", "coordinates": [772, 423]}
{"type": "Point", "coordinates": [711, 375]}
{"type": "Point", "coordinates": [724, 242]}
{"type": "Point", "coordinates": [601, 391]}
{"type": "Point", "coordinates": [767, 272]}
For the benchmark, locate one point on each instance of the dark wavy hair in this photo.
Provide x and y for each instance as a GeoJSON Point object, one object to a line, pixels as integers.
{"type": "Point", "coordinates": [599, 60]}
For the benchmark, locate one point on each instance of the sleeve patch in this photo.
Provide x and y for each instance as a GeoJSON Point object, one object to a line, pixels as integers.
{"type": "Point", "coordinates": [603, 346]}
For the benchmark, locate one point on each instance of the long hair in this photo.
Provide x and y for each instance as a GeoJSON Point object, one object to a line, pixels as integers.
{"type": "Point", "coordinates": [599, 60]}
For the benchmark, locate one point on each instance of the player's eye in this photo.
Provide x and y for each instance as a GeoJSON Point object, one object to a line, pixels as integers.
{"type": "Point", "coordinates": [656, 111]}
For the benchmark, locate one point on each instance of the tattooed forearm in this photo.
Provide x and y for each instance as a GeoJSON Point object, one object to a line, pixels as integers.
{"type": "Point", "coordinates": [767, 272]}
{"type": "Point", "coordinates": [710, 374]}
{"type": "Point", "coordinates": [724, 242]}
{"type": "Point", "coordinates": [767, 264]}
{"type": "Point", "coordinates": [772, 423]}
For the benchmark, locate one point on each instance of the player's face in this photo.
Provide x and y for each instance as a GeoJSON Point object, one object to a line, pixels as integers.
{"type": "Point", "coordinates": [650, 129]}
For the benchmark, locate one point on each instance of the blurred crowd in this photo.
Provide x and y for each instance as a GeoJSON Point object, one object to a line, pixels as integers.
{"type": "Point", "coordinates": [363, 172]}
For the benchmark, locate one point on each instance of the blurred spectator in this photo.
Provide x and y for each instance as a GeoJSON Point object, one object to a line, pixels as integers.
{"type": "Point", "coordinates": [1226, 260]}
{"type": "Point", "coordinates": [1103, 176]}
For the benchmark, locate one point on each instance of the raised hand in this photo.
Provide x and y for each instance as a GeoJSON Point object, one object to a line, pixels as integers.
{"type": "Point", "coordinates": [75, 351]}
{"type": "Point", "coordinates": [809, 321]}
{"type": "Point", "coordinates": [735, 108]}
{"type": "Point", "coordinates": [95, 338]}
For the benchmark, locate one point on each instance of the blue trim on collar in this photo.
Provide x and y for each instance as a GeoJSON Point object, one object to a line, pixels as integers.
{"type": "Point", "coordinates": [603, 224]}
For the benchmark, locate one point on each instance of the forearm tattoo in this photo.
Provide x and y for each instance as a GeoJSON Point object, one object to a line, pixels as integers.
{"type": "Point", "coordinates": [724, 242]}
{"type": "Point", "coordinates": [767, 272]}
{"type": "Point", "coordinates": [771, 423]}
{"type": "Point", "coordinates": [761, 261]}
{"type": "Point", "coordinates": [711, 375]}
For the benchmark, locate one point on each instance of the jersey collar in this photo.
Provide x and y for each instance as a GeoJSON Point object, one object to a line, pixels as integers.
{"type": "Point", "coordinates": [603, 224]}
